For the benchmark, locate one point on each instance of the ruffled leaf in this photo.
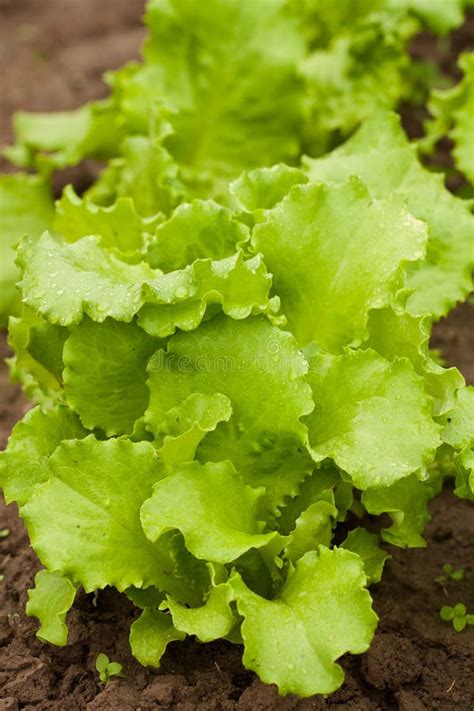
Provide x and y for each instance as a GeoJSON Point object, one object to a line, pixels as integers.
{"type": "Point", "coordinates": [458, 430]}
{"type": "Point", "coordinates": [263, 188]}
{"type": "Point", "coordinates": [380, 154]}
{"type": "Point", "coordinates": [406, 501]}
{"type": "Point", "coordinates": [180, 299]}
{"type": "Point", "coordinates": [37, 363]}
{"type": "Point", "coordinates": [187, 424]}
{"type": "Point", "coordinates": [26, 207]}
{"type": "Point", "coordinates": [213, 620]}
{"type": "Point", "coordinates": [230, 72]}
{"type": "Point", "coordinates": [327, 286]}
{"type": "Point", "coordinates": [57, 140]}
{"type": "Point", "coordinates": [84, 522]}
{"type": "Point", "coordinates": [105, 374]}
{"type": "Point", "coordinates": [219, 528]}
{"type": "Point", "coordinates": [146, 173]}
{"type": "Point", "coordinates": [366, 546]}
{"type": "Point", "coordinates": [312, 528]}
{"type": "Point", "coordinates": [453, 116]}
{"type": "Point", "coordinates": [465, 475]}
{"type": "Point", "coordinates": [324, 484]}
{"type": "Point", "coordinates": [394, 334]}
{"type": "Point", "coordinates": [119, 226]}
{"type": "Point", "coordinates": [196, 230]}
{"type": "Point", "coordinates": [65, 281]}
{"type": "Point", "coordinates": [24, 463]}
{"type": "Point", "coordinates": [259, 368]}
{"type": "Point", "coordinates": [438, 15]}
{"type": "Point", "coordinates": [372, 417]}
{"type": "Point", "coordinates": [50, 601]}
{"type": "Point", "coordinates": [322, 612]}
{"type": "Point", "coordinates": [150, 634]}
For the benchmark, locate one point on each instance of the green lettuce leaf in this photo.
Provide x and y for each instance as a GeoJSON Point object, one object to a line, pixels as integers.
{"type": "Point", "coordinates": [322, 612]}
{"type": "Point", "coordinates": [465, 475]}
{"type": "Point", "coordinates": [119, 226]}
{"type": "Point", "coordinates": [47, 141]}
{"type": "Point", "coordinates": [24, 463]}
{"type": "Point", "coordinates": [229, 69]}
{"type": "Point", "coordinates": [263, 188]}
{"type": "Point", "coordinates": [37, 363]}
{"type": "Point", "coordinates": [150, 634]}
{"type": "Point", "coordinates": [366, 546]}
{"type": "Point", "coordinates": [26, 207]}
{"type": "Point", "coordinates": [453, 116]}
{"type": "Point", "coordinates": [65, 281]}
{"type": "Point", "coordinates": [312, 528]}
{"type": "Point", "coordinates": [371, 417]}
{"type": "Point", "coordinates": [395, 333]}
{"type": "Point", "coordinates": [259, 368]}
{"type": "Point", "coordinates": [321, 22]}
{"type": "Point", "coordinates": [381, 156]}
{"type": "Point", "coordinates": [187, 424]}
{"type": "Point", "coordinates": [219, 528]}
{"type": "Point", "coordinates": [327, 286]}
{"type": "Point", "coordinates": [225, 346]}
{"type": "Point", "coordinates": [406, 501]}
{"type": "Point", "coordinates": [458, 430]}
{"type": "Point", "coordinates": [144, 172]}
{"type": "Point", "coordinates": [213, 620]}
{"type": "Point", "coordinates": [181, 299]}
{"type": "Point", "coordinates": [105, 374]}
{"type": "Point", "coordinates": [359, 60]}
{"type": "Point", "coordinates": [324, 484]}
{"type": "Point", "coordinates": [50, 601]}
{"type": "Point", "coordinates": [196, 230]}
{"type": "Point", "coordinates": [438, 15]}
{"type": "Point", "coordinates": [145, 597]}
{"type": "Point", "coordinates": [84, 522]}
{"type": "Point", "coordinates": [357, 75]}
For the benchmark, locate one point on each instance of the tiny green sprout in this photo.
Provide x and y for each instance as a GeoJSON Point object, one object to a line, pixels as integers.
{"type": "Point", "coordinates": [4, 532]}
{"type": "Point", "coordinates": [450, 574]}
{"type": "Point", "coordinates": [106, 668]}
{"type": "Point", "coordinates": [457, 615]}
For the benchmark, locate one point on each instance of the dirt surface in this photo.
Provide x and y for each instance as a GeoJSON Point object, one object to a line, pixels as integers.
{"type": "Point", "coordinates": [55, 52]}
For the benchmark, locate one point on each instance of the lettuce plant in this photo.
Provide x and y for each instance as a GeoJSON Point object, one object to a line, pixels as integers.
{"type": "Point", "coordinates": [223, 87]}
{"type": "Point", "coordinates": [228, 353]}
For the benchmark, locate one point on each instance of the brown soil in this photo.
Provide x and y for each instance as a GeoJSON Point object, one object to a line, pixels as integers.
{"type": "Point", "coordinates": [416, 663]}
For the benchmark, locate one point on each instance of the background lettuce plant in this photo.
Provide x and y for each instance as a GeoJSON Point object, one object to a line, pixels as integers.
{"type": "Point", "coordinates": [228, 345]}
{"type": "Point", "coordinates": [221, 89]}
{"type": "Point", "coordinates": [453, 116]}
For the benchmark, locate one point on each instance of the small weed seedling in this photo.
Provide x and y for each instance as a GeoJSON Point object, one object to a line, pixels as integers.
{"type": "Point", "coordinates": [106, 668]}
{"type": "Point", "coordinates": [450, 574]}
{"type": "Point", "coordinates": [4, 532]}
{"type": "Point", "coordinates": [457, 615]}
